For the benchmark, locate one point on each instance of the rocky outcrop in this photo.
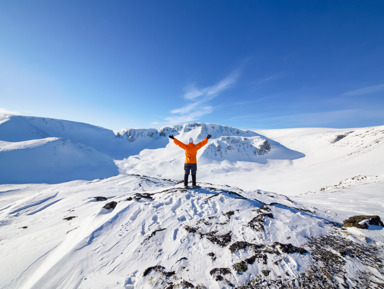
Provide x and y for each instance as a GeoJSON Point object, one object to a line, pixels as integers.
{"type": "Point", "coordinates": [363, 222]}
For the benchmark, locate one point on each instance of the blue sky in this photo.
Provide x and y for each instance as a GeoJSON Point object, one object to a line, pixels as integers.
{"type": "Point", "coordinates": [249, 64]}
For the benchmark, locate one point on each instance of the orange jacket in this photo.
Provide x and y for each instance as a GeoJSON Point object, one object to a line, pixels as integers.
{"type": "Point", "coordinates": [191, 149]}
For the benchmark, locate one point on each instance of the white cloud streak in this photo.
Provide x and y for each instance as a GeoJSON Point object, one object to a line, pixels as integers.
{"type": "Point", "coordinates": [198, 98]}
{"type": "Point", "coordinates": [7, 111]}
{"type": "Point", "coordinates": [314, 119]}
{"type": "Point", "coordinates": [192, 116]}
{"type": "Point", "coordinates": [365, 90]}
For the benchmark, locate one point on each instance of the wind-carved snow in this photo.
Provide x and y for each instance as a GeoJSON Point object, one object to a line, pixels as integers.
{"type": "Point", "coordinates": [161, 235]}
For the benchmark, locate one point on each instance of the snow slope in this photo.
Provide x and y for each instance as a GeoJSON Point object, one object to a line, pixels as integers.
{"type": "Point", "coordinates": [14, 128]}
{"type": "Point", "coordinates": [51, 160]}
{"type": "Point", "coordinates": [227, 147]}
{"type": "Point", "coordinates": [34, 150]}
{"type": "Point", "coordinates": [160, 235]}
{"type": "Point", "coordinates": [301, 160]}
{"type": "Point", "coordinates": [331, 155]}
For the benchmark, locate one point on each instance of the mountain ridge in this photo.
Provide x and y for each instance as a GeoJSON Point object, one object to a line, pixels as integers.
{"type": "Point", "coordinates": [18, 131]}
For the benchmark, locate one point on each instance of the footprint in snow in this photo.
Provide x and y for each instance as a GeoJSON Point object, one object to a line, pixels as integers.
{"type": "Point", "coordinates": [130, 281]}
{"type": "Point", "coordinates": [182, 219]}
{"type": "Point", "coordinates": [175, 232]}
{"type": "Point", "coordinates": [135, 214]}
{"type": "Point", "coordinates": [176, 206]}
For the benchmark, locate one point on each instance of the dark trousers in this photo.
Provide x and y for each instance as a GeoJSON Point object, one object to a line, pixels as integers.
{"type": "Point", "coordinates": [190, 168]}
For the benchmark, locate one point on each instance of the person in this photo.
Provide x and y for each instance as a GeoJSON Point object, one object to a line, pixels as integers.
{"type": "Point", "coordinates": [190, 157]}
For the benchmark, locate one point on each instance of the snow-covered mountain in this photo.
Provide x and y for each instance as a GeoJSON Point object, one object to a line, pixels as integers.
{"type": "Point", "coordinates": [15, 128]}
{"type": "Point", "coordinates": [51, 160]}
{"type": "Point", "coordinates": [49, 150]}
{"type": "Point", "coordinates": [125, 221]}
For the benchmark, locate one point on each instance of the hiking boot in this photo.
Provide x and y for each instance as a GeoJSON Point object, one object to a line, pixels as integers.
{"type": "Point", "coordinates": [193, 181]}
{"type": "Point", "coordinates": [185, 181]}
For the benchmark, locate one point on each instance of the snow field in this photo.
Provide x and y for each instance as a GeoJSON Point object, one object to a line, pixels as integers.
{"type": "Point", "coordinates": [231, 232]}
{"type": "Point", "coordinates": [102, 248]}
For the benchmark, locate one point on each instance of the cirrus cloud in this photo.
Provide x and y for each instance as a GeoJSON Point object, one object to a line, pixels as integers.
{"type": "Point", "coordinates": [198, 99]}
{"type": "Point", "coordinates": [365, 90]}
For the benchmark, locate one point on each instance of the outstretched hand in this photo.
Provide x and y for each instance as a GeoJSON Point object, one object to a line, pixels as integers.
{"type": "Point", "coordinates": [171, 136]}
{"type": "Point", "coordinates": [209, 136]}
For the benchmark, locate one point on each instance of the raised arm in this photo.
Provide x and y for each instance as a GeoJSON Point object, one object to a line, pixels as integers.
{"type": "Point", "coordinates": [203, 142]}
{"type": "Point", "coordinates": [179, 143]}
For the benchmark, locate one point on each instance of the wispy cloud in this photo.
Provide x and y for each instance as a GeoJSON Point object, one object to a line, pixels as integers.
{"type": "Point", "coordinates": [318, 118]}
{"type": "Point", "coordinates": [198, 98]}
{"type": "Point", "coordinates": [331, 118]}
{"type": "Point", "coordinates": [7, 111]}
{"type": "Point", "coordinates": [191, 116]}
{"type": "Point", "coordinates": [365, 90]}
{"type": "Point", "coordinates": [259, 82]}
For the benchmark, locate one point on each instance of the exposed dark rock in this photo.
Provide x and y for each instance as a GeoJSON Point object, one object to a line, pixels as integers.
{"type": "Point", "coordinates": [264, 148]}
{"type": "Point", "coordinates": [219, 278]}
{"type": "Point", "coordinates": [257, 222]}
{"type": "Point", "coordinates": [240, 267]}
{"type": "Point", "coordinates": [205, 222]}
{"type": "Point", "coordinates": [212, 255]}
{"type": "Point", "coordinates": [357, 221]}
{"type": "Point", "coordinates": [24, 227]}
{"type": "Point", "coordinates": [159, 269]}
{"type": "Point", "coordinates": [139, 196]}
{"type": "Point", "coordinates": [229, 214]}
{"type": "Point", "coordinates": [190, 229]}
{"type": "Point", "coordinates": [340, 137]}
{"type": "Point", "coordinates": [110, 206]}
{"type": "Point", "coordinates": [100, 199]}
{"type": "Point", "coordinates": [221, 271]}
{"type": "Point", "coordinates": [242, 245]}
{"type": "Point", "coordinates": [265, 272]}
{"type": "Point", "coordinates": [187, 284]}
{"type": "Point", "coordinates": [69, 218]}
{"type": "Point", "coordinates": [288, 248]}
{"type": "Point", "coordinates": [265, 207]}
{"type": "Point", "coordinates": [262, 251]}
{"type": "Point", "coordinates": [221, 240]}
{"type": "Point", "coordinates": [153, 234]}
{"type": "Point", "coordinates": [327, 269]}
{"type": "Point", "coordinates": [259, 256]}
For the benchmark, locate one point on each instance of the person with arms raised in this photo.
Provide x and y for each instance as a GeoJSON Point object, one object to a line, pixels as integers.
{"type": "Point", "coordinates": [190, 165]}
